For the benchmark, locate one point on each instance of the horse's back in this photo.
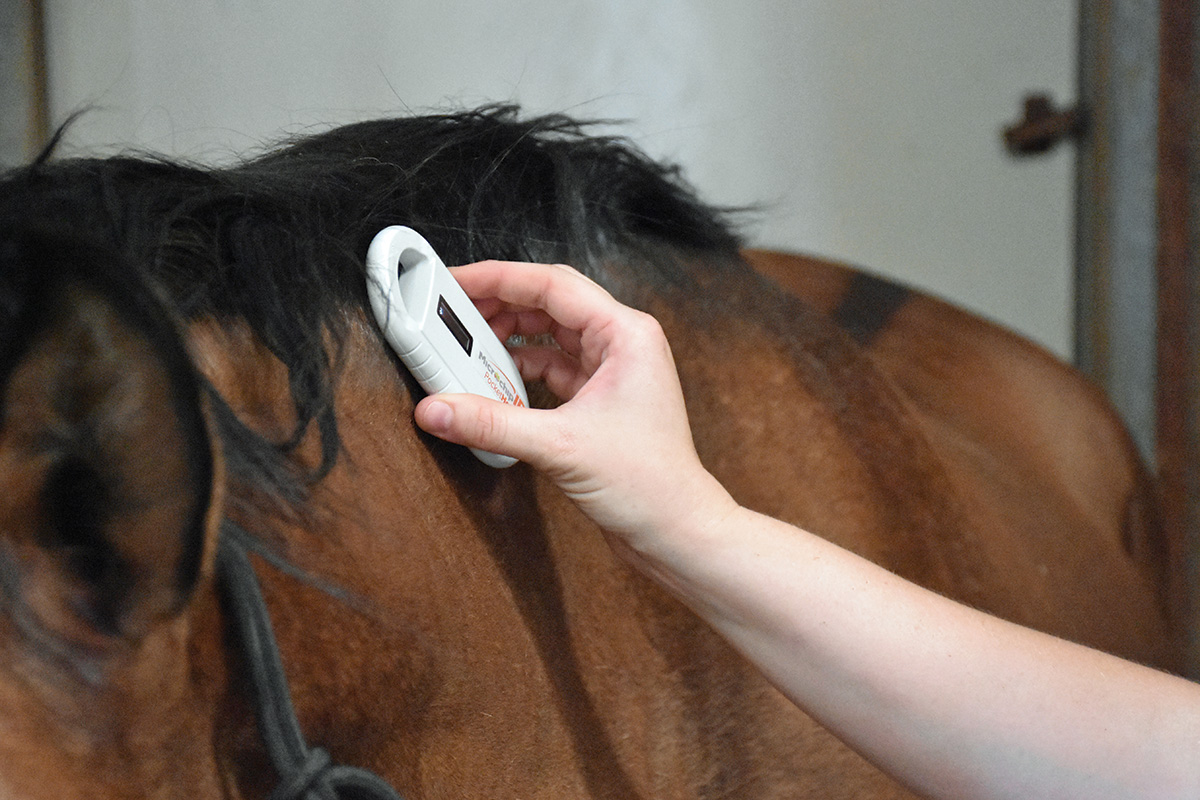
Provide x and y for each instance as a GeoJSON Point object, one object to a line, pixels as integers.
{"type": "Point", "coordinates": [1035, 450]}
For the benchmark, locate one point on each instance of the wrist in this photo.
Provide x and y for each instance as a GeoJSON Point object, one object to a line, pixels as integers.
{"type": "Point", "coordinates": [700, 514]}
{"type": "Point", "coordinates": [669, 538]}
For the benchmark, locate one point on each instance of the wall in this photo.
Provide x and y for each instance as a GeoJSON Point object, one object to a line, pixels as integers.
{"type": "Point", "coordinates": [868, 132]}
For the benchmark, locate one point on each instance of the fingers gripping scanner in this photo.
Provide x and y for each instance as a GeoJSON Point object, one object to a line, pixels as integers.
{"type": "Point", "coordinates": [435, 328]}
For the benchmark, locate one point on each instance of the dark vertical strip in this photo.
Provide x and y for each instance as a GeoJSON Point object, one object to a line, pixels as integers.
{"type": "Point", "coordinates": [39, 106]}
{"type": "Point", "coordinates": [1091, 191]}
{"type": "Point", "coordinates": [1178, 382]}
{"type": "Point", "coordinates": [24, 119]}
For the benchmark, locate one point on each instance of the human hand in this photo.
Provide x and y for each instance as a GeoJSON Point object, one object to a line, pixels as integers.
{"type": "Point", "coordinates": [620, 446]}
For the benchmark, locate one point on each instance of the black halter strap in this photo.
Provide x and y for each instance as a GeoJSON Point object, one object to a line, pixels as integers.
{"type": "Point", "coordinates": [305, 773]}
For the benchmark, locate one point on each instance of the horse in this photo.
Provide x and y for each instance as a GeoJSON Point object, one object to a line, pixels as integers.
{"type": "Point", "coordinates": [188, 369]}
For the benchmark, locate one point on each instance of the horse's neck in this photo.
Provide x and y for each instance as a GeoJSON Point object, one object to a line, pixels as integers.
{"type": "Point", "coordinates": [428, 608]}
{"type": "Point", "coordinates": [481, 626]}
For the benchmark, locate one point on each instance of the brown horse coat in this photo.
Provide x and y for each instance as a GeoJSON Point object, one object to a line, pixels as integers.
{"type": "Point", "coordinates": [463, 631]}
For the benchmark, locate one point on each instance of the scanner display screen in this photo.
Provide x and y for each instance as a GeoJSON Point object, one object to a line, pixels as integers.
{"type": "Point", "coordinates": [454, 324]}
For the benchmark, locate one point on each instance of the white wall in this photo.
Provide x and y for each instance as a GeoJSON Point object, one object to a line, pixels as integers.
{"type": "Point", "coordinates": [869, 130]}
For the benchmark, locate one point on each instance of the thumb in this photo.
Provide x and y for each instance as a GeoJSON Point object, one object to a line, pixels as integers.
{"type": "Point", "coordinates": [482, 423]}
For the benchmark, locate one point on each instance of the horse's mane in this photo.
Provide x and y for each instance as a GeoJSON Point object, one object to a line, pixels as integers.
{"type": "Point", "coordinates": [277, 241]}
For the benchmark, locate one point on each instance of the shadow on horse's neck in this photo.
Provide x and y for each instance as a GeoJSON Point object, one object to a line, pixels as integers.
{"type": "Point", "coordinates": [391, 488]}
{"type": "Point", "coordinates": [515, 533]}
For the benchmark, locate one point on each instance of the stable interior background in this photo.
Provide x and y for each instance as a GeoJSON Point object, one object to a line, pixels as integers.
{"type": "Point", "coordinates": [866, 132]}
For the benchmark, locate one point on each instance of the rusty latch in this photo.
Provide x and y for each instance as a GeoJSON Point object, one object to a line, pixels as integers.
{"type": "Point", "coordinates": [1042, 127]}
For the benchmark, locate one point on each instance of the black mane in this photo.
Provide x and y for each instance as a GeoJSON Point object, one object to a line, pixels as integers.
{"type": "Point", "coordinates": [278, 241]}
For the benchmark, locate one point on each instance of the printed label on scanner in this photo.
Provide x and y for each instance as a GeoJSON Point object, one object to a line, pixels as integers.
{"type": "Point", "coordinates": [500, 383]}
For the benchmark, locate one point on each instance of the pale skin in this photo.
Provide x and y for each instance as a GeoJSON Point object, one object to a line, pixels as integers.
{"type": "Point", "coordinates": [950, 701]}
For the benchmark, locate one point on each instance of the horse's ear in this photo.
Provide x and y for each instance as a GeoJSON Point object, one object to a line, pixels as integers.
{"type": "Point", "coordinates": [107, 468]}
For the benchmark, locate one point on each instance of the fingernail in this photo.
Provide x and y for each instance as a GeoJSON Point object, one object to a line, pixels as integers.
{"type": "Point", "coordinates": [437, 416]}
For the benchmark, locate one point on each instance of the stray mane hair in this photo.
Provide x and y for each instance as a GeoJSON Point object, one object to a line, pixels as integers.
{"type": "Point", "coordinates": [278, 241]}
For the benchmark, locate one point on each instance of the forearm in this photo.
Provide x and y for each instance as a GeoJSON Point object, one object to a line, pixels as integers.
{"type": "Point", "coordinates": [950, 701]}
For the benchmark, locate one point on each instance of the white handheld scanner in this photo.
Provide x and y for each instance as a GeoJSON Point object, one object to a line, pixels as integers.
{"type": "Point", "coordinates": [435, 328]}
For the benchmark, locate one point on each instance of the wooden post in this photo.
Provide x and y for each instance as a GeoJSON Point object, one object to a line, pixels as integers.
{"type": "Point", "coordinates": [1114, 207]}
{"type": "Point", "coordinates": [1178, 397]}
{"type": "Point", "coordinates": [24, 118]}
